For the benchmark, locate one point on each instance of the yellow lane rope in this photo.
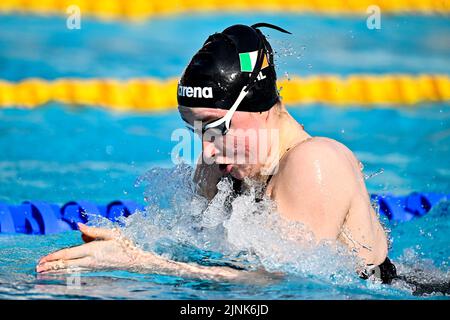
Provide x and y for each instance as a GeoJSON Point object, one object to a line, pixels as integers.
{"type": "Point", "coordinates": [142, 9]}
{"type": "Point", "coordinates": [153, 95]}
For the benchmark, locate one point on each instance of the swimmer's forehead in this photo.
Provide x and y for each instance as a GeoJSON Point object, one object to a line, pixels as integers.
{"type": "Point", "coordinates": [190, 115]}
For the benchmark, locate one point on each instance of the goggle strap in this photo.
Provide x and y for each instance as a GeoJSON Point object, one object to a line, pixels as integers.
{"type": "Point", "coordinates": [271, 26]}
{"type": "Point", "coordinates": [230, 112]}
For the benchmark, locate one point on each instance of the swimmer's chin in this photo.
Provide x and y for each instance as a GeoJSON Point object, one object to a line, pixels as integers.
{"type": "Point", "coordinates": [237, 171]}
{"type": "Point", "coordinates": [239, 174]}
{"type": "Point", "coordinates": [232, 170]}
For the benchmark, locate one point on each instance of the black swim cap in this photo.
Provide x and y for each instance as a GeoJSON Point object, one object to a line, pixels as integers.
{"type": "Point", "coordinates": [238, 56]}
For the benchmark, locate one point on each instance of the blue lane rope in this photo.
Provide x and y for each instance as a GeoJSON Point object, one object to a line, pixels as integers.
{"type": "Point", "coordinates": [39, 218]}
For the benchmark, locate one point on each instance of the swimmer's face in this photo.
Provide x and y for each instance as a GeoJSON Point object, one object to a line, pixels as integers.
{"type": "Point", "coordinates": [242, 150]}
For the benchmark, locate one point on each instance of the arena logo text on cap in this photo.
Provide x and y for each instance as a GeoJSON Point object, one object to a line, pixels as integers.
{"type": "Point", "coordinates": [195, 92]}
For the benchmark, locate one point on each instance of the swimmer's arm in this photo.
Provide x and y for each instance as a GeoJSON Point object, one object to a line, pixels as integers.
{"type": "Point", "coordinates": [194, 271]}
{"type": "Point", "coordinates": [315, 188]}
{"type": "Point", "coordinates": [107, 249]}
{"type": "Point", "coordinates": [151, 263]}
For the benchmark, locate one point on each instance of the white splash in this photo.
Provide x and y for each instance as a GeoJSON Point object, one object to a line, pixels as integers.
{"type": "Point", "coordinates": [239, 229]}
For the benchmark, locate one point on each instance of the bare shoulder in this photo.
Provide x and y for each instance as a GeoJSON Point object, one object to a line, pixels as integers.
{"type": "Point", "coordinates": [319, 164]}
{"type": "Point", "coordinates": [315, 183]}
{"type": "Point", "coordinates": [320, 151]}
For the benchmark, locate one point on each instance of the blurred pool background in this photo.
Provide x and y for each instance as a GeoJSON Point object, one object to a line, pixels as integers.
{"type": "Point", "coordinates": [59, 153]}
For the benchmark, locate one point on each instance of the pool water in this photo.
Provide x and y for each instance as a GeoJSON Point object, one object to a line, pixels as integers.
{"type": "Point", "coordinates": [60, 153]}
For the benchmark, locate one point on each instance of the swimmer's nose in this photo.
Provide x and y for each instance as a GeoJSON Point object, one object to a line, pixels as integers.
{"type": "Point", "coordinates": [209, 150]}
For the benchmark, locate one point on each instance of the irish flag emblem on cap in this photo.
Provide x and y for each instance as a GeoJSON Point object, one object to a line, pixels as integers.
{"type": "Point", "coordinates": [248, 61]}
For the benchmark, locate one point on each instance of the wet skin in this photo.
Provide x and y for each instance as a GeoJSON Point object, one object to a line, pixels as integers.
{"type": "Point", "coordinates": [316, 181]}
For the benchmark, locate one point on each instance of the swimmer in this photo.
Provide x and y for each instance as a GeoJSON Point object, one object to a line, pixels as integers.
{"type": "Point", "coordinates": [229, 87]}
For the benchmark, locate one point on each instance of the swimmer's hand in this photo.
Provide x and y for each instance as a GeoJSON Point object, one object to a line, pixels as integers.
{"type": "Point", "coordinates": [111, 251]}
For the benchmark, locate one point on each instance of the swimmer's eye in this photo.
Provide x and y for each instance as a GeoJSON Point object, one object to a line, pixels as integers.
{"type": "Point", "coordinates": [222, 127]}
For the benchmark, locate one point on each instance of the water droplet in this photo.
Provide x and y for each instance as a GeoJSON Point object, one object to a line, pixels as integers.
{"type": "Point", "coordinates": [361, 166]}
{"type": "Point", "coordinates": [109, 150]}
{"type": "Point", "coordinates": [286, 74]}
{"type": "Point", "coordinates": [369, 176]}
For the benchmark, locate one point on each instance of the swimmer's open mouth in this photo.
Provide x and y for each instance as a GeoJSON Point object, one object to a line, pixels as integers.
{"type": "Point", "coordinates": [225, 168]}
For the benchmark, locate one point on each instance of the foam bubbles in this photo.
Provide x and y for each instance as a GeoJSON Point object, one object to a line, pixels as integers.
{"type": "Point", "coordinates": [243, 230]}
